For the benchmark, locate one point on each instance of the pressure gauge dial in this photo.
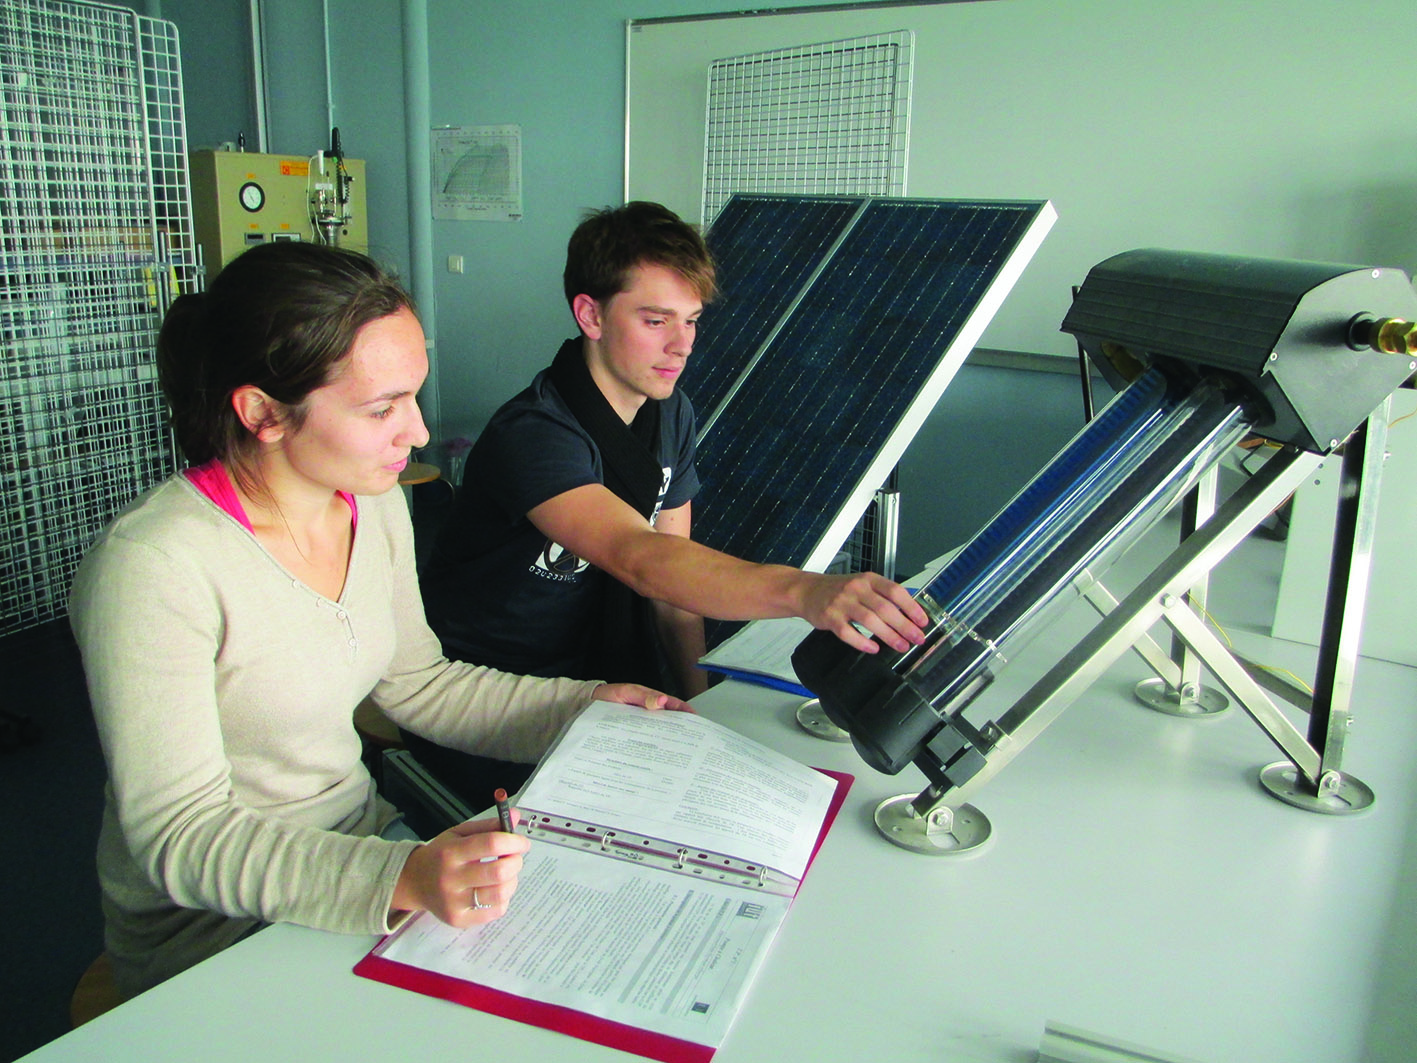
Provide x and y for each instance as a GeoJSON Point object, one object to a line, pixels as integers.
{"type": "Point", "coordinates": [253, 196]}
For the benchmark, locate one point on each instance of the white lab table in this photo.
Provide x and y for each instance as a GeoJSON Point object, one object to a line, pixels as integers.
{"type": "Point", "coordinates": [1139, 883]}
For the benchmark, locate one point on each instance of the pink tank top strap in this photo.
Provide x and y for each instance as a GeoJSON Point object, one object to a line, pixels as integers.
{"type": "Point", "coordinates": [214, 482]}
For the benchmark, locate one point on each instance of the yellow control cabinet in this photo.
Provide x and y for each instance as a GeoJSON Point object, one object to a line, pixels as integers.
{"type": "Point", "coordinates": [241, 199]}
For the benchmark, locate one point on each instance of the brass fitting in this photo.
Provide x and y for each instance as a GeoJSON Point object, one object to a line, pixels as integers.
{"type": "Point", "coordinates": [1390, 335]}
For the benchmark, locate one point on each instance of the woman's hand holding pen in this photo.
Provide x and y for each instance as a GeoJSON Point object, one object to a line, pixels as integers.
{"type": "Point", "coordinates": [464, 876]}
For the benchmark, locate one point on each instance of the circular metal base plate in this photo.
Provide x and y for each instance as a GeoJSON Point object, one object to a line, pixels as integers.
{"type": "Point", "coordinates": [897, 820]}
{"type": "Point", "coordinates": [1156, 694]}
{"type": "Point", "coordinates": [813, 719]}
{"type": "Point", "coordinates": [1340, 794]}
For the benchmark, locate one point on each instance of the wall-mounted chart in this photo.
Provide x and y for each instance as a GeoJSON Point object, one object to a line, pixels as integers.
{"type": "Point", "coordinates": [477, 173]}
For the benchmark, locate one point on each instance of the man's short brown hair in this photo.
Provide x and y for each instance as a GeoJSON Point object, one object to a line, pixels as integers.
{"type": "Point", "coordinates": [609, 243]}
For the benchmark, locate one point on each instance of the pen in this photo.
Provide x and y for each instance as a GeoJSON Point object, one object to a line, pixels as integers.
{"type": "Point", "coordinates": [504, 811]}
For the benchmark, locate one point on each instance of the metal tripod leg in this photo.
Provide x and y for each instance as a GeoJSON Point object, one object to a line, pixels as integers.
{"type": "Point", "coordinates": [1311, 777]}
{"type": "Point", "coordinates": [1123, 627]}
{"type": "Point", "coordinates": [1189, 696]}
{"type": "Point", "coordinates": [1327, 789]}
{"type": "Point", "coordinates": [1178, 688]}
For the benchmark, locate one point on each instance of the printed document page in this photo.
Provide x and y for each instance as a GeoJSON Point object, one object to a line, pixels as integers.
{"type": "Point", "coordinates": [642, 946]}
{"type": "Point", "coordinates": [682, 778]}
{"type": "Point", "coordinates": [763, 647]}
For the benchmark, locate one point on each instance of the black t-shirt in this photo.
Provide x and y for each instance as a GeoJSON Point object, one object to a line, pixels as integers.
{"type": "Point", "coordinates": [496, 590]}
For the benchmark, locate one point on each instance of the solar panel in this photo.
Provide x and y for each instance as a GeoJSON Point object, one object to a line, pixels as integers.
{"type": "Point", "coordinates": [851, 363]}
{"type": "Point", "coordinates": [766, 249]}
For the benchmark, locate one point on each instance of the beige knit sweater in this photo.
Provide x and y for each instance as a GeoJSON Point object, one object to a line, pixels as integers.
{"type": "Point", "coordinates": [224, 692]}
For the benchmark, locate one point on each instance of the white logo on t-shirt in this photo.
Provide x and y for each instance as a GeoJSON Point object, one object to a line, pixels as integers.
{"type": "Point", "coordinates": [663, 490]}
{"type": "Point", "coordinates": [556, 562]}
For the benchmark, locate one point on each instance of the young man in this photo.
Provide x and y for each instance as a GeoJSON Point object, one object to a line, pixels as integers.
{"type": "Point", "coordinates": [568, 551]}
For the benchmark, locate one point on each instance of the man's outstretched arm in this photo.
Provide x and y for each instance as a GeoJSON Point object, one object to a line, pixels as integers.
{"type": "Point", "coordinates": [599, 527]}
{"type": "Point", "coordinates": [681, 632]}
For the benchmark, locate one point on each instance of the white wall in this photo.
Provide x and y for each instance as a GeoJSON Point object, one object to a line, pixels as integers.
{"type": "Point", "coordinates": [1260, 128]}
{"type": "Point", "coordinates": [1270, 127]}
{"type": "Point", "coordinates": [558, 71]}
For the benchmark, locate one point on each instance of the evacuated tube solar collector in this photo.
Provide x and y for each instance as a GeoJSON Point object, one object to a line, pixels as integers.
{"type": "Point", "coordinates": [1204, 349]}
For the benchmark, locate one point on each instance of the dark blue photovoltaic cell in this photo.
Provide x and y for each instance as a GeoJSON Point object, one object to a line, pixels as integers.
{"type": "Point", "coordinates": [766, 248]}
{"type": "Point", "coordinates": [793, 445]}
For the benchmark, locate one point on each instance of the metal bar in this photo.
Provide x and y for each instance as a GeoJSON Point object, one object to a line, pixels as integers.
{"type": "Point", "coordinates": [1147, 648]}
{"type": "Point", "coordinates": [1354, 525]}
{"type": "Point", "coordinates": [258, 72]}
{"type": "Point", "coordinates": [1196, 508]}
{"type": "Point", "coordinates": [438, 799]}
{"type": "Point", "coordinates": [1246, 691]}
{"type": "Point", "coordinates": [1150, 651]}
{"type": "Point", "coordinates": [1290, 692]}
{"type": "Point", "coordinates": [417, 103]}
{"type": "Point", "coordinates": [887, 532]}
{"type": "Point", "coordinates": [1120, 629]}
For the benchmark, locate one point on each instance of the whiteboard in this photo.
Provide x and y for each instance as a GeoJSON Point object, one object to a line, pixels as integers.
{"type": "Point", "coordinates": [1208, 126]}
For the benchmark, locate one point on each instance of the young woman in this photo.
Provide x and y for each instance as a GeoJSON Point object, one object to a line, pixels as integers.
{"type": "Point", "coordinates": [232, 618]}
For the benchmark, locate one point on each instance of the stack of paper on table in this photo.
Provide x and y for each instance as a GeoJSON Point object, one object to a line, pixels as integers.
{"type": "Point", "coordinates": [667, 850]}
{"type": "Point", "coordinates": [761, 652]}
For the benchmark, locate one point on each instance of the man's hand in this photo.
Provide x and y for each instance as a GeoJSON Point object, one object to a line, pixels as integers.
{"type": "Point", "coordinates": [886, 609]}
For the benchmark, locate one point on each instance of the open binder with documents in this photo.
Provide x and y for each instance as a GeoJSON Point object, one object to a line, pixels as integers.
{"type": "Point", "coordinates": [667, 851]}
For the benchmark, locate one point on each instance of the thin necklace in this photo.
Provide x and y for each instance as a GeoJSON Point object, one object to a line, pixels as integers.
{"type": "Point", "coordinates": [271, 503]}
{"type": "Point", "coordinates": [281, 514]}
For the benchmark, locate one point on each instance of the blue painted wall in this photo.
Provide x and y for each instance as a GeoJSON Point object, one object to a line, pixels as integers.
{"type": "Point", "coordinates": [557, 70]}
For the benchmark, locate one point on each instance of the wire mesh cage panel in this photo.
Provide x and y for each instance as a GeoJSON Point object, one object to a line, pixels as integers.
{"type": "Point", "coordinates": [95, 242]}
{"type": "Point", "coordinates": [818, 118]}
{"type": "Point", "coordinates": [871, 546]}
{"type": "Point", "coordinates": [830, 118]}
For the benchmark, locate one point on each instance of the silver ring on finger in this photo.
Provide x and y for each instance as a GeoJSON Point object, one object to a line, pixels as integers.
{"type": "Point", "coordinates": [476, 903]}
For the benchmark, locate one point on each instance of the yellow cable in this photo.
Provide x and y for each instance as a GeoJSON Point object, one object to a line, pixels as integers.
{"type": "Point", "coordinates": [1216, 624]}
{"type": "Point", "coordinates": [1268, 668]}
{"type": "Point", "coordinates": [1285, 671]}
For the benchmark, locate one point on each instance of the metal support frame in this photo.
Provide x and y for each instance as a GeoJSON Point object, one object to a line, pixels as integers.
{"type": "Point", "coordinates": [887, 528]}
{"type": "Point", "coordinates": [1179, 689]}
{"type": "Point", "coordinates": [872, 544]}
{"type": "Point", "coordinates": [1309, 777]}
{"type": "Point", "coordinates": [1326, 788]}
